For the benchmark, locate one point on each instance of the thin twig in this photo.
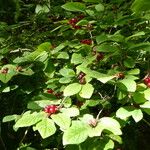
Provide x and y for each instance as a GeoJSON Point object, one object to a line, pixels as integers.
{"type": "Point", "coordinates": [24, 136]}
{"type": "Point", "coordinates": [99, 114]}
{"type": "Point", "coordinates": [146, 122]}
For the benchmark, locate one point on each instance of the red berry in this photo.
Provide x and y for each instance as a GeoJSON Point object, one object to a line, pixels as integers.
{"type": "Point", "coordinates": [99, 56]}
{"type": "Point", "coordinates": [81, 75]}
{"type": "Point", "coordinates": [82, 81]}
{"type": "Point", "coordinates": [51, 109]}
{"type": "Point", "coordinates": [148, 84]}
{"type": "Point", "coordinates": [4, 71]}
{"type": "Point", "coordinates": [76, 27]}
{"type": "Point", "coordinates": [121, 75]}
{"type": "Point", "coordinates": [146, 80]}
{"type": "Point", "coordinates": [86, 41]}
{"type": "Point", "coordinates": [73, 21]}
{"type": "Point", "coordinates": [50, 91]}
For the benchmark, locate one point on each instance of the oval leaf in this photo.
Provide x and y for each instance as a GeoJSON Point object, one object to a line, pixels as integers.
{"type": "Point", "coordinates": [46, 127]}
{"type": "Point", "coordinates": [111, 125]}
{"type": "Point", "coordinates": [128, 85]}
{"type": "Point", "coordinates": [72, 89]}
{"type": "Point", "coordinates": [87, 91]}
{"type": "Point", "coordinates": [76, 134]}
{"type": "Point", "coordinates": [74, 6]}
{"type": "Point", "coordinates": [28, 119]}
{"type": "Point", "coordinates": [61, 120]}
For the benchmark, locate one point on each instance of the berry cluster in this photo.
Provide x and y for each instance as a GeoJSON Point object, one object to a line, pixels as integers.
{"type": "Point", "coordinates": [73, 22]}
{"type": "Point", "coordinates": [4, 71]}
{"type": "Point", "coordinates": [81, 78]}
{"type": "Point", "coordinates": [51, 109]}
{"type": "Point", "coordinates": [147, 81]}
{"type": "Point", "coordinates": [86, 41]}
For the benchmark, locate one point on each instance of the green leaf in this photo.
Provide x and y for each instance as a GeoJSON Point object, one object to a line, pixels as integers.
{"type": "Point", "coordinates": [8, 76]}
{"type": "Point", "coordinates": [9, 118]}
{"type": "Point", "coordinates": [106, 144]}
{"type": "Point", "coordinates": [129, 62]}
{"type": "Point", "coordinates": [86, 91]}
{"type": "Point", "coordinates": [95, 131]}
{"type": "Point", "coordinates": [76, 134]}
{"type": "Point", "coordinates": [76, 59]}
{"type": "Point", "coordinates": [106, 48]}
{"type": "Point", "coordinates": [49, 68]}
{"type": "Point", "coordinates": [127, 85]}
{"type": "Point", "coordinates": [145, 105]}
{"type": "Point", "coordinates": [82, 23]}
{"type": "Point", "coordinates": [67, 72]}
{"type": "Point", "coordinates": [46, 127]}
{"type": "Point", "coordinates": [101, 38]}
{"type": "Point", "coordinates": [71, 112]}
{"type": "Point", "coordinates": [42, 56]}
{"type": "Point", "coordinates": [72, 89]}
{"type": "Point", "coordinates": [125, 112]}
{"type": "Point", "coordinates": [111, 124]}
{"type": "Point", "coordinates": [41, 9]}
{"type": "Point", "coordinates": [140, 46]}
{"type": "Point", "coordinates": [135, 35]}
{"type": "Point", "coordinates": [99, 7]}
{"type": "Point", "coordinates": [46, 46]}
{"type": "Point", "coordinates": [61, 120]}
{"type": "Point", "coordinates": [95, 74]}
{"type": "Point", "coordinates": [59, 47]}
{"type": "Point", "coordinates": [147, 110]}
{"type": "Point", "coordinates": [139, 97]}
{"type": "Point", "coordinates": [116, 138]}
{"type": "Point", "coordinates": [137, 115]}
{"type": "Point", "coordinates": [63, 55]}
{"type": "Point", "coordinates": [134, 71]}
{"type": "Point", "coordinates": [74, 6]}
{"type": "Point", "coordinates": [106, 78]}
{"type": "Point", "coordinates": [65, 80]}
{"type": "Point", "coordinates": [147, 94]}
{"type": "Point", "coordinates": [29, 119]}
{"type": "Point", "coordinates": [140, 5]}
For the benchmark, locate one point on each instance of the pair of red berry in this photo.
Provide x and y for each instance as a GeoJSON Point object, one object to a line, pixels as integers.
{"type": "Point", "coordinates": [51, 109]}
{"type": "Point", "coordinates": [58, 95]}
{"type": "Point", "coordinates": [73, 22]}
{"type": "Point", "coordinates": [81, 78]}
{"type": "Point", "coordinates": [147, 81]}
{"type": "Point", "coordinates": [99, 55]}
{"type": "Point", "coordinates": [86, 41]}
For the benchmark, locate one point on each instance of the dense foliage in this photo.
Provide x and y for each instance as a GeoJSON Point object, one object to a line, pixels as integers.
{"type": "Point", "coordinates": [74, 75]}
